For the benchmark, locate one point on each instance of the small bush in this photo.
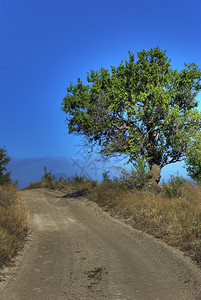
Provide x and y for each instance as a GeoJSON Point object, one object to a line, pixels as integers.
{"type": "Point", "coordinates": [173, 188]}
{"type": "Point", "coordinates": [140, 173]}
{"type": "Point", "coordinates": [106, 176]}
{"type": "Point", "coordinates": [47, 176]}
{"type": "Point", "coordinates": [80, 179]}
{"type": "Point", "coordinates": [138, 177]}
{"type": "Point", "coordinates": [4, 160]}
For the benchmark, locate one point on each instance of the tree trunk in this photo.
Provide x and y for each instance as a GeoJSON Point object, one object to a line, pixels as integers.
{"type": "Point", "coordinates": [155, 176]}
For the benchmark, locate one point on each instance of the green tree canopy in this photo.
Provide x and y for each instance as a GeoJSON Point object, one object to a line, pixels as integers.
{"type": "Point", "coordinates": [4, 160]}
{"type": "Point", "coordinates": [143, 109]}
{"type": "Point", "coordinates": [193, 158]}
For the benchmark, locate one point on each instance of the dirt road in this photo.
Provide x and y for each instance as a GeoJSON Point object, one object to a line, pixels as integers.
{"type": "Point", "coordinates": [76, 251]}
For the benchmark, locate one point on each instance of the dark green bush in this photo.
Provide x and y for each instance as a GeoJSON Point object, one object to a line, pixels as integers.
{"type": "Point", "coordinates": [4, 160]}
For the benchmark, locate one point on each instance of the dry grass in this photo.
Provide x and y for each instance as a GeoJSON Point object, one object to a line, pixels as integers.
{"type": "Point", "coordinates": [80, 183]}
{"type": "Point", "coordinates": [177, 221]}
{"type": "Point", "coordinates": [13, 224]}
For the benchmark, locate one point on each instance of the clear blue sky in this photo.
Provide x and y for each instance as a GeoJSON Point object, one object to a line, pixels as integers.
{"type": "Point", "coordinates": [47, 44]}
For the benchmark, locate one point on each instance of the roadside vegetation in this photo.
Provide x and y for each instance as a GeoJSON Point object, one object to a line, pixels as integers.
{"type": "Point", "coordinates": [171, 213]}
{"type": "Point", "coordinates": [13, 216]}
{"type": "Point", "coordinates": [147, 111]}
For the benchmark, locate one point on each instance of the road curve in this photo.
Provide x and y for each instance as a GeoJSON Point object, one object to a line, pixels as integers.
{"type": "Point", "coordinates": [77, 251]}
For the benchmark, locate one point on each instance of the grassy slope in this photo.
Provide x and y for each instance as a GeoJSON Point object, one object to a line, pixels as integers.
{"type": "Point", "coordinates": [177, 220]}
{"type": "Point", "coordinates": [13, 224]}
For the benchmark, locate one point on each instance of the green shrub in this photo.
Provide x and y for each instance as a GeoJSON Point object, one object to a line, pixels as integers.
{"type": "Point", "coordinates": [106, 176]}
{"type": "Point", "coordinates": [80, 179]}
{"type": "Point", "coordinates": [173, 188]}
{"type": "Point", "coordinates": [140, 173]}
{"type": "Point", "coordinates": [47, 176]}
{"type": "Point", "coordinates": [4, 160]}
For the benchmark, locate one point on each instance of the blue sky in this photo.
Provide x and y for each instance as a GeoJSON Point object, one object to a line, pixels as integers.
{"type": "Point", "coordinates": [47, 44]}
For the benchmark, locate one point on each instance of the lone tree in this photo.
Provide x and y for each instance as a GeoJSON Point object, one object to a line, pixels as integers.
{"type": "Point", "coordinates": [4, 160]}
{"type": "Point", "coordinates": [143, 109]}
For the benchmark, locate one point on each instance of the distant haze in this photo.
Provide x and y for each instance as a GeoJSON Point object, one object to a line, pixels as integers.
{"type": "Point", "coordinates": [29, 170]}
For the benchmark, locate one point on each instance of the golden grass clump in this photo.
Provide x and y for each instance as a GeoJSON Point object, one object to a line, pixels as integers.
{"type": "Point", "coordinates": [13, 224]}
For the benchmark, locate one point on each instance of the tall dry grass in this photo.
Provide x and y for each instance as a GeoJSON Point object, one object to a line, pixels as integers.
{"type": "Point", "coordinates": [13, 224]}
{"type": "Point", "coordinates": [175, 220]}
